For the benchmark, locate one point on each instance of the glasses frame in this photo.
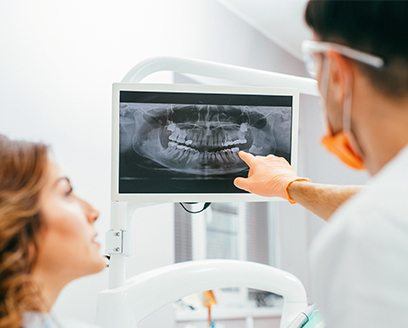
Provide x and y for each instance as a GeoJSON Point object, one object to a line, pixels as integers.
{"type": "Point", "coordinates": [310, 47]}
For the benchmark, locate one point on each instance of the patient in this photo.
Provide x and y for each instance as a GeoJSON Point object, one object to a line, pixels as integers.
{"type": "Point", "coordinates": [47, 235]}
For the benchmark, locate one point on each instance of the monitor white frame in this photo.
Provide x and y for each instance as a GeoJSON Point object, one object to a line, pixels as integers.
{"type": "Point", "coordinates": [187, 88]}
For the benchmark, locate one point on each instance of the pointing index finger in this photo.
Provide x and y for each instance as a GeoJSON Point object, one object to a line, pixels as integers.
{"type": "Point", "coordinates": [247, 158]}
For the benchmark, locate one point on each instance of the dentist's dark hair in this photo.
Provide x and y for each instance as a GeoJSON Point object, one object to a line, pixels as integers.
{"type": "Point", "coordinates": [376, 27]}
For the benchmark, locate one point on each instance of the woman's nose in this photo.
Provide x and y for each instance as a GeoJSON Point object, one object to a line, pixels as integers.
{"type": "Point", "coordinates": [91, 212]}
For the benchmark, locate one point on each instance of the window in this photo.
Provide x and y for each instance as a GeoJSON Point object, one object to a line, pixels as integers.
{"type": "Point", "coordinates": [222, 228]}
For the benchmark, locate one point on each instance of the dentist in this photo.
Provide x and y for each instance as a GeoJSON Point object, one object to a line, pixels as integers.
{"type": "Point", "coordinates": [359, 56]}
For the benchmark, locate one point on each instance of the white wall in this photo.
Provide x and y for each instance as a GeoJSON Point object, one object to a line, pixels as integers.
{"type": "Point", "coordinates": [282, 21]}
{"type": "Point", "coordinates": [58, 60]}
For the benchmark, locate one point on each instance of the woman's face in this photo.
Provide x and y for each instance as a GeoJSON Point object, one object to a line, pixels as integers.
{"type": "Point", "coordinates": [67, 241]}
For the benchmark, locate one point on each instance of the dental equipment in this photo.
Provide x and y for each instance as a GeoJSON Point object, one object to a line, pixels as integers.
{"type": "Point", "coordinates": [128, 301]}
{"type": "Point", "coordinates": [129, 304]}
{"type": "Point", "coordinates": [209, 301]}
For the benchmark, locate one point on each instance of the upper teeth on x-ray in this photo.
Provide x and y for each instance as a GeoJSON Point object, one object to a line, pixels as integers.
{"type": "Point", "coordinates": [203, 139]}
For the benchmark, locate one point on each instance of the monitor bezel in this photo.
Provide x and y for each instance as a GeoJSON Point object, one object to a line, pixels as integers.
{"type": "Point", "coordinates": [192, 88]}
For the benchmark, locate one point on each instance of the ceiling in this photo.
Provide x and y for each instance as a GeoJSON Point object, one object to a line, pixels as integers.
{"type": "Point", "coordinates": [279, 20]}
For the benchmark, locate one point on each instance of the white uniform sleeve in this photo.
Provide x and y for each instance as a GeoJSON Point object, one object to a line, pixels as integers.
{"type": "Point", "coordinates": [361, 274]}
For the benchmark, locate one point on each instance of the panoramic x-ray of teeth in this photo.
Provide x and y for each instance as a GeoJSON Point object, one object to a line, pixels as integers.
{"type": "Point", "coordinates": [202, 140]}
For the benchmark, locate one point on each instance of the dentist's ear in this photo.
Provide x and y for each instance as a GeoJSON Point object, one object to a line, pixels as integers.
{"type": "Point", "coordinates": [341, 75]}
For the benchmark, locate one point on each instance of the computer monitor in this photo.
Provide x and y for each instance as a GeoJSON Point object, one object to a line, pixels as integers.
{"type": "Point", "coordinates": [180, 143]}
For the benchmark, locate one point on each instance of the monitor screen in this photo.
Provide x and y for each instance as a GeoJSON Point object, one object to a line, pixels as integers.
{"type": "Point", "coordinates": [175, 142]}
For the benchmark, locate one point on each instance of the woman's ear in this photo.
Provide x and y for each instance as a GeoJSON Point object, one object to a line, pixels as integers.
{"type": "Point", "coordinates": [32, 252]}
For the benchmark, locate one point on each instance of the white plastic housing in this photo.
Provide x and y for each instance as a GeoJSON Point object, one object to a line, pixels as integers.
{"type": "Point", "coordinates": [144, 294]}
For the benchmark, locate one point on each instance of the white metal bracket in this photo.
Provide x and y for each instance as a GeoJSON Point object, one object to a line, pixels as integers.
{"type": "Point", "coordinates": [116, 242]}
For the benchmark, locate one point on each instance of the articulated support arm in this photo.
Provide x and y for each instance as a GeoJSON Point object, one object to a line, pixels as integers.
{"type": "Point", "coordinates": [144, 294]}
{"type": "Point", "coordinates": [242, 75]}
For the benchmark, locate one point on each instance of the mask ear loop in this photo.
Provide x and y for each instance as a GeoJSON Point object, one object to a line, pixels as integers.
{"type": "Point", "coordinates": [348, 101]}
{"type": "Point", "coordinates": [325, 79]}
{"type": "Point", "coordinates": [325, 90]}
{"type": "Point", "coordinates": [347, 113]}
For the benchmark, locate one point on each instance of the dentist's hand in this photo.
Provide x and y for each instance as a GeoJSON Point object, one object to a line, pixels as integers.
{"type": "Point", "coordinates": [268, 176]}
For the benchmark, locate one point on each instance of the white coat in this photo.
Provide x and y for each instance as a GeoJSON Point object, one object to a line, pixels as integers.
{"type": "Point", "coordinates": [360, 260]}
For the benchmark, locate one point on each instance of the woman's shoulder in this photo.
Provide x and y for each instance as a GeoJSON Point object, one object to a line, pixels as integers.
{"type": "Point", "coordinates": [36, 320]}
{"type": "Point", "coordinates": [47, 320]}
{"type": "Point", "coordinates": [68, 323]}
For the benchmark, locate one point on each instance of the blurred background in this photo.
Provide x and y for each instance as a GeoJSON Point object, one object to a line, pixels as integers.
{"type": "Point", "coordinates": [58, 61]}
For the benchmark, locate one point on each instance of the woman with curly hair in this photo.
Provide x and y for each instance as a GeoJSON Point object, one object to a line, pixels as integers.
{"type": "Point", "coordinates": [47, 235]}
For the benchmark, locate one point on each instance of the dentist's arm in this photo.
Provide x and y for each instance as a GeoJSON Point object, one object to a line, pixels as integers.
{"type": "Point", "coordinates": [321, 199]}
{"type": "Point", "coordinates": [273, 176]}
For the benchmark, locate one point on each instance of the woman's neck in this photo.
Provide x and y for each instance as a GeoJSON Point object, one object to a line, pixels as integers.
{"type": "Point", "coordinates": [50, 285]}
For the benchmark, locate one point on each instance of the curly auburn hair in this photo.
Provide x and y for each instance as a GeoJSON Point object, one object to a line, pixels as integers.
{"type": "Point", "coordinates": [22, 173]}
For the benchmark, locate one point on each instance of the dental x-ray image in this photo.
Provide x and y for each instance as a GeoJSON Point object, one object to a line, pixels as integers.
{"type": "Point", "coordinates": [192, 147]}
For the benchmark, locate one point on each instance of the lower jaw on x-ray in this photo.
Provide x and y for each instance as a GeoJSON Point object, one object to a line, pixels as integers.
{"type": "Point", "coordinates": [193, 148]}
